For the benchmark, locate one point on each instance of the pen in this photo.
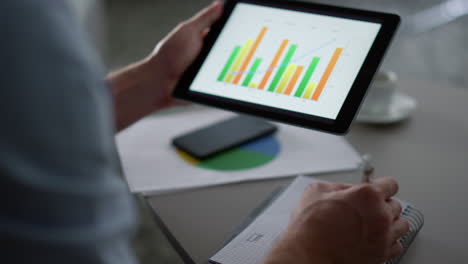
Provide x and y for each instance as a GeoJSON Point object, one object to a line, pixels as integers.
{"type": "Point", "coordinates": [367, 169]}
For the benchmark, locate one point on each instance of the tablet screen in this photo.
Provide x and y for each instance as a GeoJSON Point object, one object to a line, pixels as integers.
{"type": "Point", "coordinates": [292, 60]}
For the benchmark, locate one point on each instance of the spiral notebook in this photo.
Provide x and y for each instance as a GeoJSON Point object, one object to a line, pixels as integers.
{"type": "Point", "coordinates": [260, 231]}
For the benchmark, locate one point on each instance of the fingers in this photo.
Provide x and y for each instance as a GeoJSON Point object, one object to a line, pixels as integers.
{"type": "Point", "coordinates": [328, 186]}
{"type": "Point", "coordinates": [400, 228]}
{"type": "Point", "coordinates": [396, 250]}
{"type": "Point", "coordinates": [205, 32]}
{"type": "Point", "coordinates": [206, 17]}
{"type": "Point", "coordinates": [388, 186]}
{"type": "Point", "coordinates": [341, 186]}
{"type": "Point", "coordinates": [395, 208]}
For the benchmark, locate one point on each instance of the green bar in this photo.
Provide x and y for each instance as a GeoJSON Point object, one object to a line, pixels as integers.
{"type": "Point", "coordinates": [305, 80]}
{"type": "Point", "coordinates": [282, 68]}
{"type": "Point", "coordinates": [229, 63]}
{"type": "Point", "coordinates": [252, 71]}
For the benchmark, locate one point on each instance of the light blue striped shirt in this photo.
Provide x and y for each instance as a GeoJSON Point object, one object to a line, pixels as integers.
{"type": "Point", "coordinates": [61, 198]}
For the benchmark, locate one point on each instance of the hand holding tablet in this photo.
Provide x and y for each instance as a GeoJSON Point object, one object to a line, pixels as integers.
{"type": "Point", "coordinates": [300, 63]}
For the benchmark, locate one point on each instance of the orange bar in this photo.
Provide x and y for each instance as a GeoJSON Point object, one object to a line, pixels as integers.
{"type": "Point", "coordinates": [273, 64]}
{"type": "Point", "coordinates": [326, 75]}
{"type": "Point", "coordinates": [294, 80]}
{"type": "Point", "coordinates": [250, 55]}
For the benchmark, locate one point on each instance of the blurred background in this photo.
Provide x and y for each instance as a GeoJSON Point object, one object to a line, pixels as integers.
{"type": "Point", "coordinates": [430, 45]}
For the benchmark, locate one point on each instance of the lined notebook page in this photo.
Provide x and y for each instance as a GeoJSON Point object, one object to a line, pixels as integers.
{"type": "Point", "coordinates": [255, 241]}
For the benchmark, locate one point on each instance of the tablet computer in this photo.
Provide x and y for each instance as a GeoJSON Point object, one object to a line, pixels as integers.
{"type": "Point", "coordinates": [301, 63]}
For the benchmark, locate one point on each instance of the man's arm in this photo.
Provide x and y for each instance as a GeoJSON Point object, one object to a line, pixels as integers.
{"type": "Point", "coordinates": [146, 86]}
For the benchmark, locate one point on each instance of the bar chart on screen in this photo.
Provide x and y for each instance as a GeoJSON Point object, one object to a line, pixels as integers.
{"type": "Point", "coordinates": [286, 59]}
{"type": "Point", "coordinates": [283, 77]}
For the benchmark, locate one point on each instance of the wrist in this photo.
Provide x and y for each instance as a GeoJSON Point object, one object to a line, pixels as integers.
{"type": "Point", "coordinates": [152, 82]}
{"type": "Point", "coordinates": [138, 90]}
{"type": "Point", "coordinates": [160, 71]}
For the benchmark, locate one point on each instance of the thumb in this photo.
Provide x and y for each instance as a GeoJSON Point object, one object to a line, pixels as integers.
{"type": "Point", "coordinates": [206, 17]}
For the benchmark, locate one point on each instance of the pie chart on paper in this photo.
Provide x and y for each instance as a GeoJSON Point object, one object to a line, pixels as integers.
{"type": "Point", "coordinates": [248, 156]}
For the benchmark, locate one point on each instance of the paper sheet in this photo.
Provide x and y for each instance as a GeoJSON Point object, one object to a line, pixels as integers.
{"type": "Point", "coordinates": [252, 244]}
{"type": "Point", "coordinates": [152, 166]}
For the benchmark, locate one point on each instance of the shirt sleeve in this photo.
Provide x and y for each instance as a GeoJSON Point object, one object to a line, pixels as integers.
{"type": "Point", "coordinates": [61, 199]}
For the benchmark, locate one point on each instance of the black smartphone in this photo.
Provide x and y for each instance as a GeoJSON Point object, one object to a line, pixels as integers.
{"type": "Point", "coordinates": [221, 136]}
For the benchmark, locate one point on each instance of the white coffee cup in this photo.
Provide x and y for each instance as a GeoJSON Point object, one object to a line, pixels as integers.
{"type": "Point", "coordinates": [380, 94]}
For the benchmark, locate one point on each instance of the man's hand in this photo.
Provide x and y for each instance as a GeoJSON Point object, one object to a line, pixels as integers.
{"type": "Point", "coordinates": [177, 51]}
{"type": "Point", "coordinates": [342, 223]}
{"type": "Point", "coordinates": [146, 86]}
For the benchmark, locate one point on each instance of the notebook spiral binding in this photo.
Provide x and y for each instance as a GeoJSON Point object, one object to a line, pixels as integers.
{"type": "Point", "coordinates": [416, 222]}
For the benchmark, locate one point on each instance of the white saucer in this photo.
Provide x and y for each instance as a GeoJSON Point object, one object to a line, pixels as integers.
{"type": "Point", "coordinates": [401, 107]}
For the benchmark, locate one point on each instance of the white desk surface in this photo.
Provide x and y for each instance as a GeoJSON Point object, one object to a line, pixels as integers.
{"type": "Point", "coordinates": [427, 154]}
